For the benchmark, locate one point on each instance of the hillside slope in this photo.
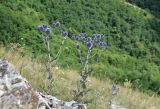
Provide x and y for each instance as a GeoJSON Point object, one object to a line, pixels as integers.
{"type": "Point", "coordinates": [132, 35]}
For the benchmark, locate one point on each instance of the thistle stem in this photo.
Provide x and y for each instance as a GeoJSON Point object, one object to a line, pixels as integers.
{"type": "Point", "coordinates": [84, 73]}
{"type": "Point", "coordinates": [50, 75]}
{"type": "Point", "coordinates": [59, 52]}
{"type": "Point", "coordinates": [80, 56]}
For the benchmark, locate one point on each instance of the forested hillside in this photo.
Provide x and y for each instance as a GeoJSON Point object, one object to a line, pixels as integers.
{"type": "Point", "coordinates": [132, 35]}
{"type": "Point", "coordinates": [152, 5]}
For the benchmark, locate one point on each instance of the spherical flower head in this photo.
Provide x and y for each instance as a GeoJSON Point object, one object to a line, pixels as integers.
{"type": "Point", "coordinates": [76, 38]}
{"type": "Point", "coordinates": [45, 26]}
{"type": "Point", "coordinates": [78, 46]}
{"type": "Point", "coordinates": [56, 24]}
{"type": "Point", "coordinates": [89, 39]}
{"type": "Point", "coordinates": [45, 29]}
{"type": "Point", "coordinates": [82, 34]}
{"type": "Point", "coordinates": [48, 31]}
{"type": "Point", "coordinates": [40, 28]}
{"type": "Point", "coordinates": [89, 44]}
{"type": "Point", "coordinates": [103, 44]}
{"type": "Point", "coordinates": [98, 36]}
{"type": "Point", "coordinates": [65, 34]}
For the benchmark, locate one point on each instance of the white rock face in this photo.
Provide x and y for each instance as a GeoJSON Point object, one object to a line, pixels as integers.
{"type": "Point", "coordinates": [17, 93]}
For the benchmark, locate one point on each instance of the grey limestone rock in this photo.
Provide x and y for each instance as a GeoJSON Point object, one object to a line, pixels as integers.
{"type": "Point", "coordinates": [17, 93]}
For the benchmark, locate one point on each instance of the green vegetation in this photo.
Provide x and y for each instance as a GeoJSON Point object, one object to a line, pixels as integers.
{"type": "Point", "coordinates": [152, 5]}
{"type": "Point", "coordinates": [132, 35]}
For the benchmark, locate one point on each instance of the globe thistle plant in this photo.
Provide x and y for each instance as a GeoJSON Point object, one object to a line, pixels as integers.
{"type": "Point", "coordinates": [90, 43]}
{"type": "Point", "coordinates": [46, 36]}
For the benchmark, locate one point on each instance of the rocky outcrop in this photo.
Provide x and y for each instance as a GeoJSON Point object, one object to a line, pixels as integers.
{"type": "Point", "coordinates": [17, 93]}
